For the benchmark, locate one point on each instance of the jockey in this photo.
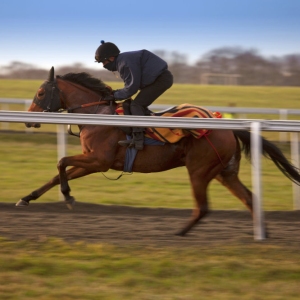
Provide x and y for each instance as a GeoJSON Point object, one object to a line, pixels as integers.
{"type": "Point", "coordinates": [141, 71]}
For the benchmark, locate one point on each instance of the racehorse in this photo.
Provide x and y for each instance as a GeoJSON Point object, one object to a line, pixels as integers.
{"type": "Point", "coordinates": [217, 155]}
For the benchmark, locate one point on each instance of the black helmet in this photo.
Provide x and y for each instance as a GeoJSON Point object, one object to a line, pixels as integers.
{"type": "Point", "coordinates": [106, 50]}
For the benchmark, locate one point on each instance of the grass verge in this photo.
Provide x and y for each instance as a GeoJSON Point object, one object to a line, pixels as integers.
{"type": "Point", "coordinates": [53, 269]}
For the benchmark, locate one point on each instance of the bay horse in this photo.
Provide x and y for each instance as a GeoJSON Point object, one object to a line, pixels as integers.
{"type": "Point", "coordinates": [216, 156]}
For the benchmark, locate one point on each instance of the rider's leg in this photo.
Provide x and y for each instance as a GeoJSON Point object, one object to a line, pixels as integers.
{"type": "Point", "coordinates": [151, 92]}
{"type": "Point", "coordinates": [139, 105]}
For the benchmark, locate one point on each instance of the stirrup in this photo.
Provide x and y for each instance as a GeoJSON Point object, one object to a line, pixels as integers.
{"type": "Point", "coordinates": [137, 144]}
{"type": "Point", "coordinates": [126, 143]}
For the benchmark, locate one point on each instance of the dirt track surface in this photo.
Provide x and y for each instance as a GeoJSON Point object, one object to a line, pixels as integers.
{"type": "Point", "coordinates": [121, 225]}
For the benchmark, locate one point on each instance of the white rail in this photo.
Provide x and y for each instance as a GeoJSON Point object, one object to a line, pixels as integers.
{"type": "Point", "coordinates": [170, 122]}
{"type": "Point", "coordinates": [145, 121]}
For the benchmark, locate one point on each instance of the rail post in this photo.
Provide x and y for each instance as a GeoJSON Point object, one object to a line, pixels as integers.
{"type": "Point", "coordinates": [256, 149]}
{"type": "Point", "coordinates": [61, 149]}
{"type": "Point", "coordinates": [283, 115]}
{"type": "Point", "coordinates": [295, 161]}
{"type": "Point", "coordinates": [4, 125]}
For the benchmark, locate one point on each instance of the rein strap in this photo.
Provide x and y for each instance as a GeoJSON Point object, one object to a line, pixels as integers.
{"type": "Point", "coordinates": [87, 105]}
{"type": "Point", "coordinates": [211, 144]}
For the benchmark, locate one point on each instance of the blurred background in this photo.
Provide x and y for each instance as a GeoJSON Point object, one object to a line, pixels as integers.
{"type": "Point", "coordinates": [205, 42]}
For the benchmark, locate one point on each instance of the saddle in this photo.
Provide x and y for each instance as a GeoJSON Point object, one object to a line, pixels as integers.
{"type": "Point", "coordinates": [173, 135]}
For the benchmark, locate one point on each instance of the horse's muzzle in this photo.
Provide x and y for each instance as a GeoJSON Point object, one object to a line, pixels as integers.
{"type": "Point", "coordinates": [35, 125]}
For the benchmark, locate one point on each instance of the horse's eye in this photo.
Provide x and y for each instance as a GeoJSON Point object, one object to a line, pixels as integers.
{"type": "Point", "coordinates": [40, 93]}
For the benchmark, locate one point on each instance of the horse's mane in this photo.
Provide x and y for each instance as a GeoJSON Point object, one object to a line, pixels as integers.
{"type": "Point", "coordinates": [86, 80]}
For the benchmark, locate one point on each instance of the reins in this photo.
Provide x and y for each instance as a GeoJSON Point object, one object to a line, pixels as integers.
{"type": "Point", "coordinates": [87, 105]}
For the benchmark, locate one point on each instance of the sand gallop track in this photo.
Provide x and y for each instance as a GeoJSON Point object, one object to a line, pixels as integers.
{"type": "Point", "coordinates": [122, 225]}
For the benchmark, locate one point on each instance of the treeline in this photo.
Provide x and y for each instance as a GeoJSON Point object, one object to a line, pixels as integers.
{"type": "Point", "coordinates": [21, 70]}
{"type": "Point", "coordinates": [228, 65]}
{"type": "Point", "coordinates": [234, 65]}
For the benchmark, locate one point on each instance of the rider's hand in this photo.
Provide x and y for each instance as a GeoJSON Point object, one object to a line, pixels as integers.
{"type": "Point", "coordinates": [109, 98]}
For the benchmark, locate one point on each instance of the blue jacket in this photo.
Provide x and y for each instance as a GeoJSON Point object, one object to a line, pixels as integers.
{"type": "Point", "coordinates": [138, 69]}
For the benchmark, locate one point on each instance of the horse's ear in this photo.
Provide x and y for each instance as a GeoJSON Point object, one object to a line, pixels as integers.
{"type": "Point", "coordinates": [51, 74]}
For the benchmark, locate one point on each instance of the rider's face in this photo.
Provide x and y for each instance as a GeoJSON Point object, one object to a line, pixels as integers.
{"type": "Point", "coordinates": [110, 59]}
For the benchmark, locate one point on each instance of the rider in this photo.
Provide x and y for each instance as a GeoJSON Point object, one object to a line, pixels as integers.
{"type": "Point", "coordinates": [140, 70]}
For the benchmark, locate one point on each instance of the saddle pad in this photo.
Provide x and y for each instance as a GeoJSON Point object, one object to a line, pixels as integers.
{"type": "Point", "coordinates": [173, 135]}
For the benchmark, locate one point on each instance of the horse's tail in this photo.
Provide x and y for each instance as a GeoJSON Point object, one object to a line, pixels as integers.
{"type": "Point", "coordinates": [270, 151]}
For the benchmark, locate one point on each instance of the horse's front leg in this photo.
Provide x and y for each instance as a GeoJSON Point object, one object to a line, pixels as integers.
{"type": "Point", "coordinates": [64, 185]}
{"type": "Point", "coordinates": [72, 173]}
{"type": "Point", "coordinates": [86, 161]}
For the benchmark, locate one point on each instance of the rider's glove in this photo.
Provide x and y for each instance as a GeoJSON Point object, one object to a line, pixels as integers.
{"type": "Point", "coordinates": [109, 98]}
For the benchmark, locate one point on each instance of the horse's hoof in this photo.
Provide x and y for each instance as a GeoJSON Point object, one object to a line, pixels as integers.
{"type": "Point", "coordinates": [21, 202]}
{"type": "Point", "coordinates": [70, 202]}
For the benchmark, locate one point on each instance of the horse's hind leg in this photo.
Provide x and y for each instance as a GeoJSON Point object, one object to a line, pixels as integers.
{"type": "Point", "coordinates": [199, 184]}
{"type": "Point", "coordinates": [229, 178]}
{"type": "Point", "coordinates": [204, 168]}
{"type": "Point", "coordinates": [199, 211]}
{"type": "Point", "coordinates": [72, 173]}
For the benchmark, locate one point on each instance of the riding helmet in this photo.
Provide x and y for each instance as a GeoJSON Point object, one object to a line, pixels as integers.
{"type": "Point", "coordinates": [106, 50]}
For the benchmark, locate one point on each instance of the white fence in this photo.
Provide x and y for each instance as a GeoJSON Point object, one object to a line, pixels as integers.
{"type": "Point", "coordinates": [136, 121]}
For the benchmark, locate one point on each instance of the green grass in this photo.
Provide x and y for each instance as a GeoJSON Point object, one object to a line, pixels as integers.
{"type": "Point", "coordinates": [24, 89]}
{"type": "Point", "coordinates": [53, 269]}
{"type": "Point", "coordinates": [205, 95]}
{"type": "Point", "coordinates": [29, 160]}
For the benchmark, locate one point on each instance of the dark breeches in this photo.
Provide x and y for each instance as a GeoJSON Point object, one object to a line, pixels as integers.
{"type": "Point", "coordinates": [150, 93]}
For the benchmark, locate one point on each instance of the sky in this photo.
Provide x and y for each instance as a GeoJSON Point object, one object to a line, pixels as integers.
{"type": "Point", "coordinates": [64, 32]}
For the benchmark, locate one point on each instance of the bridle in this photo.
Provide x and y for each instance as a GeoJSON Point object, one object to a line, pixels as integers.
{"type": "Point", "coordinates": [50, 105]}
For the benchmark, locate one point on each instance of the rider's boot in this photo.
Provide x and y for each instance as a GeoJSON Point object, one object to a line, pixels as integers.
{"type": "Point", "coordinates": [137, 141]}
{"type": "Point", "coordinates": [138, 133]}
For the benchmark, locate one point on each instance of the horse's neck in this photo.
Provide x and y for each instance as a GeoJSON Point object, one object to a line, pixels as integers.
{"type": "Point", "coordinates": [107, 109]}
{"type": "Point", "coordinates": [77, 96]}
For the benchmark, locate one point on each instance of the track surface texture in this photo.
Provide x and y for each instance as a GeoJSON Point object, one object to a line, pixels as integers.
{"type": "Point", "coordinates": [123, 225]}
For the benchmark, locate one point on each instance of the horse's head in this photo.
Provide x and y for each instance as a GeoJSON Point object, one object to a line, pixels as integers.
{"type": "Point", "coordinates": [46, 99]}
{"type": "Point", "coordinates": [72, 92]}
